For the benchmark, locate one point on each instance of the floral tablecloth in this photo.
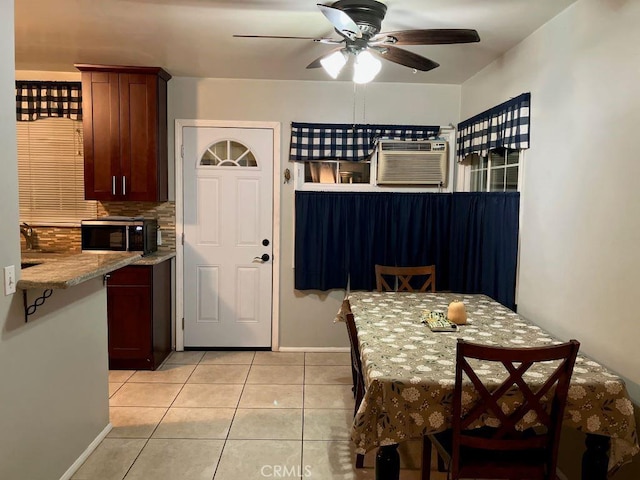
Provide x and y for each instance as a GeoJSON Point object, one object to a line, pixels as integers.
{"type": "Point", "coordinates": [409, 371]}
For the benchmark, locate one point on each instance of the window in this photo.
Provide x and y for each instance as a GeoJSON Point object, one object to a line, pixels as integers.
{"type": "Point", "coordinates": [337, 172]}
{"type": "Point", "coordinates": [51, 172]}
{"type": "Point", "coordinates": [363, 175]}
{"type": "Point", "coordinates": [497, 172]}
{"type": "Point", "coordinates": [343, 156]}
{"type": "Point", "coordinates": [228, 153]}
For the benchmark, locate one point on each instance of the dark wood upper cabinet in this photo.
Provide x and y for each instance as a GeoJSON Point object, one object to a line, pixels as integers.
{"type": "Point", "coordinates": [124, 111]}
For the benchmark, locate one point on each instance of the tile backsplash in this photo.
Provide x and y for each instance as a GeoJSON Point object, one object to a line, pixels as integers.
{"type": "Point", "coordinates": [55, 239]}
{"type": "Point", "coordinates": [67, 239]}
{"type": "Point", "coordinates": [165, 212]}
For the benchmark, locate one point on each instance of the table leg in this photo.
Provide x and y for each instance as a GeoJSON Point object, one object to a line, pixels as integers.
{"type": "Point", "coordinates": [388, 463]}
{"type": "Point", "coordinates": [595, 460]}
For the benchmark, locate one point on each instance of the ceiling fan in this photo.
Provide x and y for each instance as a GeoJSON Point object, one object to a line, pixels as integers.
{"type": "Point", "coordinates": [358, 22]}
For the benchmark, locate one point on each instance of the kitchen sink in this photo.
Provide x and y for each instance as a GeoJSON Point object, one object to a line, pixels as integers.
{"type": "Point", "coordinates": [24, 265]}
{"type": "Point", "coordinates": [31, 258]}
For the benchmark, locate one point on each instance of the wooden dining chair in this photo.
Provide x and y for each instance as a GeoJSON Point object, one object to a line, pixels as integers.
{"type": "Point", "coordinates": [358, 388]}
{"type": "Point", "coordinates": [401, 278]}
{"type": "Point", "coordinates": [356, 368]}
{"type": "Point", "coordinates": [506, 451]}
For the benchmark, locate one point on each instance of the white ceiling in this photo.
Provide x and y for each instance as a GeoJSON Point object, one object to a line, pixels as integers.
{"type": "Point", "coordinates": [193, 38]}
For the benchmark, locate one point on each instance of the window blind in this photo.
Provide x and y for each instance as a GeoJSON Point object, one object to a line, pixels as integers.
{"type": "Point", "coordinates": [51, 172]}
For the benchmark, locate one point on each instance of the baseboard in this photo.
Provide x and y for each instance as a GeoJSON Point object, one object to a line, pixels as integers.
{"type": "Point", "coordinates": [315, 349]}
{"type": "Point", "coordinates": [281, 349]}
{"type": "Point", "coordinates": [226, 349]}
{"type": "Point", "coordinates": [88, 451]}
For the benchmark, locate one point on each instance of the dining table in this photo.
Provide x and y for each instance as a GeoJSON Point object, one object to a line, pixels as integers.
{"type": "Point", "coordinates": [409, 375]}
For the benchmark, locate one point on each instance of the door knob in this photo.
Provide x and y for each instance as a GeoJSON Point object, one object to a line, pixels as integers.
{"type": "Point", "coordinates": [265, 257]}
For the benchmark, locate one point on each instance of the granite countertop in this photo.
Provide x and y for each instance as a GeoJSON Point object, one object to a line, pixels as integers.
{"type": "Point", "coordinates": [64, 270]}
{"type": "Point", "coordinates": [155, 257]}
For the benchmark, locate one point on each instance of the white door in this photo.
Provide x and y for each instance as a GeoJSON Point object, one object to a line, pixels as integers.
{"type": "Point", "coordinates": [227, 273]}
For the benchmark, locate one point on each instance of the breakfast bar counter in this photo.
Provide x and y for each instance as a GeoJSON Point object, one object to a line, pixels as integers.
{"type": "Point", "coordinates": [64, 271]}
{"type": "Point", "coordinates": [155, 257]}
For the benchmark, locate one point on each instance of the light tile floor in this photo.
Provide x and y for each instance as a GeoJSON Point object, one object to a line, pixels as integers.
{"type": "Point", "coordinates": [235, 415]}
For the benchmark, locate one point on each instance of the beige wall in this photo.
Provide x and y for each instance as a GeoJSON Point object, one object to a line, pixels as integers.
{"type": "Point", "coordinates": [53, 370]}
{"type": "Point", "coordinates": [306, 319]}
{"type": "Point", "coordinates": [54, 376]}
{"type": "Point", "coordinates": [580, 228]}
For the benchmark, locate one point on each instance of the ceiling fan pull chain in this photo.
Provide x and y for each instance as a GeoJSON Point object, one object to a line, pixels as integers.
{"type": "Point", "coordinates": [354, 103]}
{"type": "Point", "coordinates": [364, 105]}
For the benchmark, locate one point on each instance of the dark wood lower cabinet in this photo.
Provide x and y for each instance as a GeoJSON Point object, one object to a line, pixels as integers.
{"type": "Point", "coordinates": [139, 316]}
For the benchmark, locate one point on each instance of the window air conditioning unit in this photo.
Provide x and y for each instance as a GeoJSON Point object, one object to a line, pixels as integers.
{"type": "Point", "coordinates": [412, 162]}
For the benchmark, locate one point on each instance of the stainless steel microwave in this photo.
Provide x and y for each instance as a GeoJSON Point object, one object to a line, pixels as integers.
{"type": "Point", "coordinates": [119, 234]}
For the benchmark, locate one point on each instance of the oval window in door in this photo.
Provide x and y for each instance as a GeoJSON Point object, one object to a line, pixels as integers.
{"type": "Point", "coordinates": [228, 153]}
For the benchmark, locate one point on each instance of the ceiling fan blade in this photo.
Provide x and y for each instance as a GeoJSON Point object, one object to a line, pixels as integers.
{"type": "Point", "coordinates": [404, 57]}
{"type": "Point", "coordinates": [342, 22]}
{"type": "Point", "coordinates": [320, 40]}
{"type": "Point", "coordinates": [433, 36]}
{"type": "Point", "coordinates": [316, 63]}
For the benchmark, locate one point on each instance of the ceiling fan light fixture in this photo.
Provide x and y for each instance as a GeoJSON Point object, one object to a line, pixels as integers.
{"type": "Point", "coordinates": [359, 23]}
{"type": "Point", "coordinates": [366, 67]}
{"type": "Point", "coordinates": [334, 63]}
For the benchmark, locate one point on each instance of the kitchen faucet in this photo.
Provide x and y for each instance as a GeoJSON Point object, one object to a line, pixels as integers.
{"type": "Point", "coordinates": [27, 232]}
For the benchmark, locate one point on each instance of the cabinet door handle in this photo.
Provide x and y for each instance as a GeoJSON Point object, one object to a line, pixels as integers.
{"type": "Point", "coordinates": [105, 279]}
{"type": "Point", "coordinates": [124, 185]}
{"type": "Point", "coordinates": [113, 185]}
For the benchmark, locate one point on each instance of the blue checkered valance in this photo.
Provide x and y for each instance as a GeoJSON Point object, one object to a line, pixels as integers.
{"type": "Point", "coordinates": [329, 141]}
{"type": "Point", "coordinates": [36, 100]}
{"type": "Point", "coordinates": [505, 125]}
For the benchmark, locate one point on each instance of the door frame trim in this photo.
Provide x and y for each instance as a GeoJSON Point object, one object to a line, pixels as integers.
{"type": "Point", "coordinates": [179, 165]}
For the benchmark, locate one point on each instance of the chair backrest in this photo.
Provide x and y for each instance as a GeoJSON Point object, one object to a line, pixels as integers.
{"type": "Point", "coordinates": [353, 341]}
{"type": "Point", "coordinates": [539, 396]}
{"type": "Point", "coordinates": [356, 365]}
{"type": "Point", "coordinates": [402, 277]}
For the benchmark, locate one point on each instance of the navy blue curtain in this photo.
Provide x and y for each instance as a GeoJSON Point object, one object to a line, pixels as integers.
{"type": "Point", "coordinates": [322, 243]}
{"type": "Point", "coordinates": [471, 238]}
{"type": "Point", "coordinates": [371, 239]}
{"type": "Point", "coordinates": [395, 229]}
{"type": "Point", "coordinates": [484, 244]}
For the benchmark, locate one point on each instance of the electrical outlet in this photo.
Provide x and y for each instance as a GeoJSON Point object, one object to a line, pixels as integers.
{"type": "Point", "coordinates": [9, 280]}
